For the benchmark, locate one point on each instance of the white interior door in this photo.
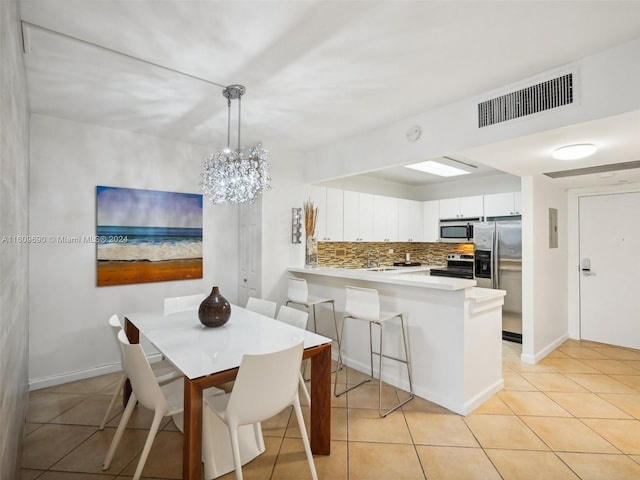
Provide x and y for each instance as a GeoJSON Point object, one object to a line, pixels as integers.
{"type": "Point", "coordinates": [250, 251]}
{"type": "Point", "coordinates": [609, 288]}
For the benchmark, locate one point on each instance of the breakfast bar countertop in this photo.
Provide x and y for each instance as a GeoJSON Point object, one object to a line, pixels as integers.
{"type": "Point", "coordinates": [410, 276]}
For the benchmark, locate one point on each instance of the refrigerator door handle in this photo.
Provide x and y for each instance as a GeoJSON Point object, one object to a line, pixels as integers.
{"type": "Point", "coordinates": [496, 255]}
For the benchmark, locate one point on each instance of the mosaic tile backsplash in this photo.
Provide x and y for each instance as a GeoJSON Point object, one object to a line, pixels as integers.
{"type": "Point", "coordinates": [354, 254]}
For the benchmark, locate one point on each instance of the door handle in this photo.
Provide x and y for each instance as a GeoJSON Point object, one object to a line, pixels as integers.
{"type": "Point", "coordinates": [585, 267]}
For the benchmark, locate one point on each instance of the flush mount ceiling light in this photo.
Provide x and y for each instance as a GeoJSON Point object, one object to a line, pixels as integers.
{"type": "Point", "coordinates": [436, 168]}
{"type": "Point", "coordinates": [574, 152]}
{"type": "Point", "coordinates": [235, 175]}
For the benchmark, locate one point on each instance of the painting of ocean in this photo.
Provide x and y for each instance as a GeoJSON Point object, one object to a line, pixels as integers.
{"type": "Point", "coordinates": [147, 236]}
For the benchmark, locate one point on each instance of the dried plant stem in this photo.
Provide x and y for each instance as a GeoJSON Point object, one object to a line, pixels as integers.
{"type": "Point", "coordinates": [310, 215]}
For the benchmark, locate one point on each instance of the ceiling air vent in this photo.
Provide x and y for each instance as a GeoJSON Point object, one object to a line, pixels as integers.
{"type": "Point", "coordinates": [536, 98]}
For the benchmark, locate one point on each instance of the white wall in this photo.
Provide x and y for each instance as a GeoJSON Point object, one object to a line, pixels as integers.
{"type": "Point", "coordinates": [69, 337]}
{"type": "Point", "coordinates": [278, 253]}
{"type": "Point", "coordinates": [544, 279]}
{"type": "Point", "coordinates": [14, 256]}
{"type": "Point", "coordinates": [607, 86]}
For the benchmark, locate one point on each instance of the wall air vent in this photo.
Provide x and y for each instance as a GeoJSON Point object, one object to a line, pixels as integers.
{"type": "Point", "coordinates": [536, 98]}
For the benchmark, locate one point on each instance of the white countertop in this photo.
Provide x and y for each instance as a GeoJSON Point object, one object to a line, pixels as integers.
{"type": "Point", "coordinates": [410, 276]}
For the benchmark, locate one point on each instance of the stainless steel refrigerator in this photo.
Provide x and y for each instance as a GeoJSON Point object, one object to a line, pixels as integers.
{"type": "Point", "coordinates": [498, 264]}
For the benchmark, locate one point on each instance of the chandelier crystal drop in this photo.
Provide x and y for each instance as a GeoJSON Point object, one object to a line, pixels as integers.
{"type": "Point", "coordinates": [236, 175]}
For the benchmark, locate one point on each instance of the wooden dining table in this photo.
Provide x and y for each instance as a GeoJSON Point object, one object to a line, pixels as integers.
{"type": "Point", "coordinates": [211, 356]}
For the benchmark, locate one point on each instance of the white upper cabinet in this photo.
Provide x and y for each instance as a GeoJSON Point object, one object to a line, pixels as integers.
{"type": "Point", "coordinates": [501, 204]}
{"type": "Point", "coordinates": [318, 195]}
{"type": "Point", "coordinates": [335, 215]}
{"type": "Point", "coordinates": [431, 219]}
{"type": "Point", "coordinates": [385, 219]}
{"type": "Point", "coordinates": [358, 216]}
{"type": "Point", "coordinates": [410, 221]}
{"type": "Point", "coordinates": [329, 223]}
{"type": "Point", "coordinates": [463, 207]}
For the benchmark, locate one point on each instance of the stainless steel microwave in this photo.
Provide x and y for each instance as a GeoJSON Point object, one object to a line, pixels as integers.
{"type": "Point", "coordinates": [458, 230]}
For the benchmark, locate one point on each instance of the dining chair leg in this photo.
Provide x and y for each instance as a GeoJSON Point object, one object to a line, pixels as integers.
{"type": "Point", "coordinates": [235, 450]}
{"type": "Point", "coordinates": [315, 327]}
{"type": "Point", "coordinates": [115, 396]}
{"type": "Point", "coordinates": [128, 411]}
{"type": "Point", "coordinates": [257, 432]}
{"type": "Point", "coordinates": [155, 426]}
{"type": "Point", "coordinates": [305, 439]}
{"type": "Point", "coordinates": [304, 389]}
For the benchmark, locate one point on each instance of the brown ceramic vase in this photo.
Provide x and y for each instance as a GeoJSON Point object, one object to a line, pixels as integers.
{"type": "Point", "coordinates": [214, 310]}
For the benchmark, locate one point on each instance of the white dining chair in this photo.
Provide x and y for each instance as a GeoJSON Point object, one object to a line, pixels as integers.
{"type": "Point", "coordinates": [162, 370]}
{"type": "Point", "coordinates": [217, 456]}
{"type": "Point", "coordinates": [264, 307]}
{"type": "Point", "coordinates": [185, 302]}
{"type": "Point", "coordinates": [164, 400]}
{"type": "Point", "coordinates": [265, 385]}
{"type": "Point", "coordinates": [364, 304]}
{"type": "Point", "coordinates": [299, 319]}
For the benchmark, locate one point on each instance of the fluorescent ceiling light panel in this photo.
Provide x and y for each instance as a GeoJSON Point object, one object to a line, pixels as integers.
{"type": "Point", "coordinates": [436, 168]}
{"type": "Point", "coordinates": [574, 152]}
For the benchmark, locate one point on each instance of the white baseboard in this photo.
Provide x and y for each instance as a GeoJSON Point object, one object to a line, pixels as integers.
{"type": "Point", "coordinates": [54, 380]}
{"type": "Point", "coordinates": [535, 358]}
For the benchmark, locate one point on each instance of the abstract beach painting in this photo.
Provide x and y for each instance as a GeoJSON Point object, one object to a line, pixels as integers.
{"type": "Point", "coordinates": [147, 236]}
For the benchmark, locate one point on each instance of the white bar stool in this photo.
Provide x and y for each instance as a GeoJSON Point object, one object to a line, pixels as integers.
{"type": "Point", "coordinates": [364, 304]}
{"type": "Point", "coordinates": [298, 293]}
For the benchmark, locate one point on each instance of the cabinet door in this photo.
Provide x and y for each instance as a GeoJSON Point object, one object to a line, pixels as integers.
{"type": "Point", "coordinates": [517, 203]}
{"type": "Point", "coordinates": [471, 206]}
{"type": "Point", "coordinates": [365, 217]}
{"type": "Point", "coordinates": [392, 219]}
{"type": "Point", "coordinates": [450, 208]}
{"type": "Point", "coordinates": [498, 204]}
{"type": "Point", "coordinates": [431, 217]}
{"type": "Point", "coordinates": [409, 221]}
{"type": "Point", "coordinates": [415, 217]}
{"type": "Point", "coordinates": [385, 219]}
{"type": "Point", "coordinates": [350, 220]}
{"type": "Point", "coordinates": [318, 195]}
{"type": "Point", "coordinates": [335, 215]}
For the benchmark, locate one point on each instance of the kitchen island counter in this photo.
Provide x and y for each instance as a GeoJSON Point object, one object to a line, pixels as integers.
{"type": "Point", "coordinates": [409, 276]}
{"type": "Point", "coordinates": [454, 330]}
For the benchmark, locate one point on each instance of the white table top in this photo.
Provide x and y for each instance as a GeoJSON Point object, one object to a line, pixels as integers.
{"type": "Point", "coordinates": [198, 351]}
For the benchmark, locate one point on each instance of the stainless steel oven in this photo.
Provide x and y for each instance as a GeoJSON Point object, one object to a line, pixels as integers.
{"type": "Point", "coordinates": [459, 230]}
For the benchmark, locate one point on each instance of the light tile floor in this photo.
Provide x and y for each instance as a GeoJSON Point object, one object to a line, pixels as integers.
{"type": "Point", "coordinates": [574, 415]}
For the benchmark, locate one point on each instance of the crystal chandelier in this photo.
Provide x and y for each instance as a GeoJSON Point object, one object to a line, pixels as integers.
{"type": "Point", "coordinates": [240, 175]}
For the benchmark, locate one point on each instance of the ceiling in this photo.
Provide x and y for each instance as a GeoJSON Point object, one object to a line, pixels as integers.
{"type": "Point", "coordinates": [315, 71]}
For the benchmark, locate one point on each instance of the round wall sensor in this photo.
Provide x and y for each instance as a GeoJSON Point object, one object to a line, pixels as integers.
{"type": "Point", "coordinates": [414, 133]}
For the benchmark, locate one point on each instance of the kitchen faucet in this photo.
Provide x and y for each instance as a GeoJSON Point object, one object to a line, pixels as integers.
{"type": "Point", "coordinates": [377, 252]}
